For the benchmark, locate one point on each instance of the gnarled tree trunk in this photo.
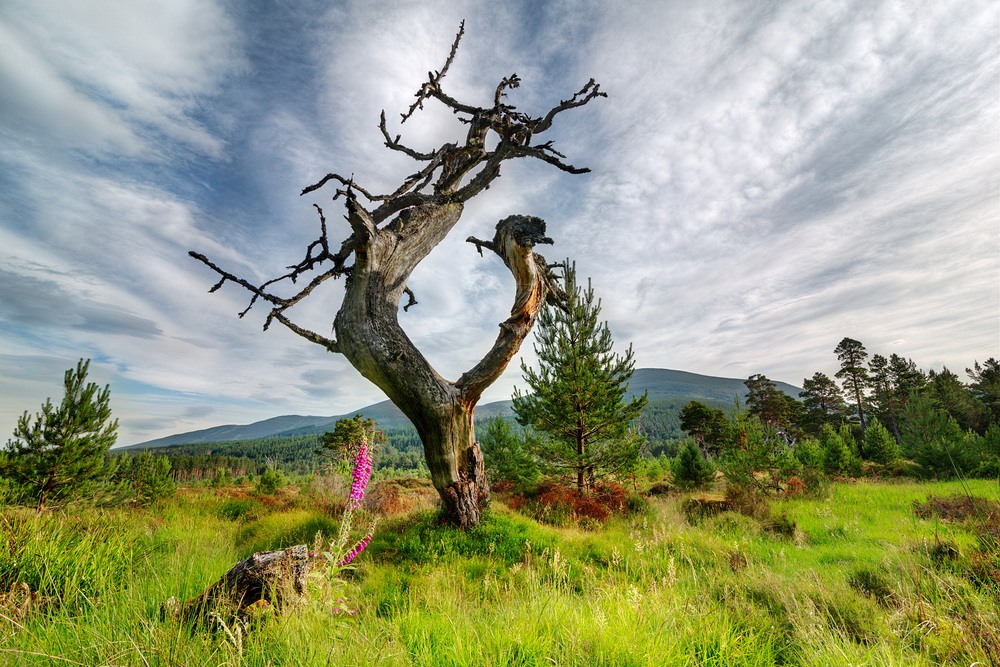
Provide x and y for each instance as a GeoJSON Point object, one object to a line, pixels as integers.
{"type": "Point", "coordinates": [389, 241]}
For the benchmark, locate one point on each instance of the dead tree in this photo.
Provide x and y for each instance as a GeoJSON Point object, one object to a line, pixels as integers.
{"type": "Point", "coordinates": [391, 234]}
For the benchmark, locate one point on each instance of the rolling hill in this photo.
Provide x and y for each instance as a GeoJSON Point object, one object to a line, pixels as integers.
{"type": "Point", "coordinates": [661, 384]}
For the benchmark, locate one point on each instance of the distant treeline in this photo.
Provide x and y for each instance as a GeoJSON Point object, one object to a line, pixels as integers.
{"type": "Point", "coordinates": [402, 453]}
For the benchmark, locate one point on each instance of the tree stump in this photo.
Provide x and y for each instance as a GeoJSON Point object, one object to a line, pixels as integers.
{"type": "Point", "coordinates": [265, 578]}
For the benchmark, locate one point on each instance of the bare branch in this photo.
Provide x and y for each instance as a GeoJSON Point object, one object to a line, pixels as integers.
{"type": "Point", "coordinates": [434, 78]}
{"type": "Point", "coordinates": [546, 153]}
{"type": "Point", "coordinates": [513, 81]}
{"type": "Point", "coordinates": [311, 336]}
{"type": "Point", "coordinates": [584, 95]}
{"type": "Point", "coordinates": [396, 146]}
{"type": "Point", "coordinates": [481, 244]}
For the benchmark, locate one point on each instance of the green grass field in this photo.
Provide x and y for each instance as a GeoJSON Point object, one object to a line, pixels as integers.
{"type": "Point", "coordinates": [860, 580]}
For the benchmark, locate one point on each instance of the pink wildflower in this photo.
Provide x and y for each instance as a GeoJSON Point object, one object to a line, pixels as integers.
{"type": "Point", "coordinates": [360, 475]}
{"type": "Point", "coordinates": [358, 548]}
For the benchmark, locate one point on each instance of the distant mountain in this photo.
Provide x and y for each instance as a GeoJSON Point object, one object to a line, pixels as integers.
{"type": "Point", "coordinates": [664, 383]}
{"type": "Point", "coordinates": [661, 383]}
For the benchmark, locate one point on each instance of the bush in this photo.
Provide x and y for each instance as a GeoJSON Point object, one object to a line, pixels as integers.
{"type": "Point", "coordinates": [934, 440]}
{"type": "Point", "coordinates": [748, 501]}
{"type": "Point", "coordinates": [270, 481]}
{"type": "Point", "coordinates": [507, 456]}
{"type": "Point", "coordinates": [809, 453]}
{"type": "Point", "coordinates": [839, 457]}
{"type": "Point", "coordinates": [880, 445]}
{"type": "Point", "coordinates": [560, 505]}
{"type": "Point", "coordinates": [143, 479]}
{"type": "Point", "coordinates": [698, 508]}
{"type": "Point", "coordinates": [986, 451]}
{"type": "Point", "coordinates": [691, 470]}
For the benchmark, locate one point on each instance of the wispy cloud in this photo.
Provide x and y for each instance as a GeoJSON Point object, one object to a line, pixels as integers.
{"type": "Point", "coordinates": [767, 178]}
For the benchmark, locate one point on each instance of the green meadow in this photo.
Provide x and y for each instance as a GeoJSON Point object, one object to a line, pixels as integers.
{"type": "Point", "coordinates": [853, 578]}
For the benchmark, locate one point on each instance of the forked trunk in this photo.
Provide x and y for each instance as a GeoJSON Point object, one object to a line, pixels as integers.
{"type": "Point", "coordinates": [370, 336]}
{"type": "Point", "coordinates": [391, 239]}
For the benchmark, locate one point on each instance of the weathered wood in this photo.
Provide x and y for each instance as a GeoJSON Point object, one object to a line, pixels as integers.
{"type": "Point", "coordinates": [389, 239]}
{"type": "Point", "coordinates": [274, 577]}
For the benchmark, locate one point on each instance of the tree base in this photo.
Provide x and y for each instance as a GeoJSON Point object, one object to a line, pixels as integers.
{"type": "Point", "coordinates": [465, 499]}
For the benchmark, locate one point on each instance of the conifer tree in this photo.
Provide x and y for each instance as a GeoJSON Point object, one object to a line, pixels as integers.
{"type": "Point", "coordinates": [62, 451]}
{"type": "Point", "coordinates": [691, 470]}
{"type": "Point", "coordinates": [823, 402]}
{"type": "Point", "coordinates": [852, 373]}
{"type": "Point", "coordinates": [577, 407]}
{"type": "Point", "coordinates": [765, 400]}
{"type": "Point", "coordinates": [880, 445]}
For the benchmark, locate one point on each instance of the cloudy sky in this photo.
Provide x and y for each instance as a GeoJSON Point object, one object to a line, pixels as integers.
{"type": "Point", "coordinates": [767, 178]}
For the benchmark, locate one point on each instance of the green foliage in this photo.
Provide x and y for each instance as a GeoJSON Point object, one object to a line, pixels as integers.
{"type": "Point", "coordinates": [809, 452]}
{"type": "Point", "coordinates": [507, 455]}
{"type": "Point", "coordinates": [221, 479]}
{"type": "Point", "coordinates": [986, 386]}
{"type": "Point", "coordinates": [959, 401]}
{"type": "Point", "coordinates": [271, 479]}
{"type": "Point", "coordinates": [873, 582]}
{"type": "Point", "coordinates": [880, 446]}
{"type": "Point", "coordinates": [766, 402]}
{"type": "Point", "coordinates": [933, 439]}
{"type": "Point", "coordinates": [839, 457]}
{"type": "Point", "coordinates": [581, 424]}
{"type": "Point", "coordinates": [823, 403]}
{"type": "Point", "coordinates": [852, 355]}
{"type": "Point", "coordinates": [61, 454]}
{"type": "Point", "coordinates": [755, 447]}
{"type": "Point", "coordinates": [691, 470]}
{"type": "Point", "coordinates": [709, 427]}
{"type": "Point", "coordinates": [869, 584]}
{"type": "Point", "coordinates": [423, 538]}
{"type": "Point", "coordinates": [985, 451]}
{"type": "Point", "coordinates": [144, 478]}
{"type": "Point", "coordinates": [348, 434]}
{"type": "Point", "coordinates": [70, 560]}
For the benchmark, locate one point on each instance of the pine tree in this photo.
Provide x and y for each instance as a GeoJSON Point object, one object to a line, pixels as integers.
{"type": "Point", "coordinates": [823, 401]}
{"type": "Point", "coordinates": [691, 470]}
{"type": "Point", "coordinates": [852, 355]}
{"type": "Point", "coordinates": [507, 455]}
{"type": "Point", "coordinates": [62, 451]}
{"type": "Point", "coordinates": [880, 445]}
{"type": "Point", "coordinates": [577, 407]}
{"type": "Point", "coordinates": [765, 400]}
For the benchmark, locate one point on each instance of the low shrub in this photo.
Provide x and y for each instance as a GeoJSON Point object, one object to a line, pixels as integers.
{"type": "Point", "coordinates": [698, 508]}
{"type": "Point", "coordinates": [748, 502]}
{"type": "Point", "coordinates": [780, 525]}
{"type": "Point", "coordinates": [562, 505]}
{"type": "Point", "coordinates": [872, 582]}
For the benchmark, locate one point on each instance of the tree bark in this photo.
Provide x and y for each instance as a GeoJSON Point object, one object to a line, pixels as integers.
{"type": "Point", "coordinates": [371, 338]}
{"type": "Point", "coordinates": [270, 576]}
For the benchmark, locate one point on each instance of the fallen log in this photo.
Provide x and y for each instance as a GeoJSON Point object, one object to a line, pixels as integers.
{"type": "Point", "coordinates": [267, 578]}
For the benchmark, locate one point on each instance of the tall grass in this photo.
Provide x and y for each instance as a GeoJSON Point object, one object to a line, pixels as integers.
{"type": "Point", "coordinates": [860, 580]}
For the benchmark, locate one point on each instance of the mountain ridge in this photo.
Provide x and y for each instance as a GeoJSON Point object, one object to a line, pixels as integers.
{"type": "Point", "coordinates": [660, 383]}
